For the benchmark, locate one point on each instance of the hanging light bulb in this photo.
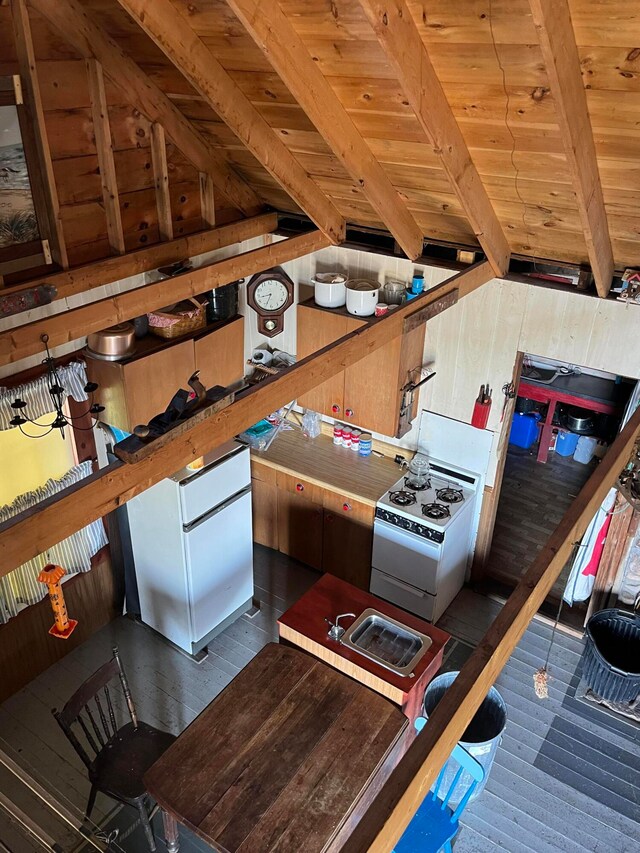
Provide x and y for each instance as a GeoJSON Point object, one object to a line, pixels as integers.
{"type": "Point", "coordinates": [58, 395]}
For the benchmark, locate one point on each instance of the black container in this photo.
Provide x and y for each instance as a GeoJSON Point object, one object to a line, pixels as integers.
{"type": "Point", "coordinates": [222, 303]}
{"type": "Point", "coordinates": [611, 659]}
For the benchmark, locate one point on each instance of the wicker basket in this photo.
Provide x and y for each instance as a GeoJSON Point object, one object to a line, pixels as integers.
{"type": "Point", "coordinates": [174, 322]}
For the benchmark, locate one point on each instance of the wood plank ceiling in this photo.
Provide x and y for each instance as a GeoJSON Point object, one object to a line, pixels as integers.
{"type": "Point", "coordinates": [488, 58]}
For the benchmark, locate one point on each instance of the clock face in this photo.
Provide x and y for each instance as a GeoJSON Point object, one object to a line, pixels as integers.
{"type": "Point", "coordinates": [271, 294]}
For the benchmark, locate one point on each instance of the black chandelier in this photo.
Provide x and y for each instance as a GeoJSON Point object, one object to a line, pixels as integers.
{"type": "Point", "coordinates": [58, 397]}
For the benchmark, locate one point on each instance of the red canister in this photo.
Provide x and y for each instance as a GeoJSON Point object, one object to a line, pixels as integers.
{"type": "Point", "coordinates": [337, 433]}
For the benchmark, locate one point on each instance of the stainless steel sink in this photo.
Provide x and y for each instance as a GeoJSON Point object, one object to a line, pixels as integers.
{"type": "Point", "coordinates": [386, 642]}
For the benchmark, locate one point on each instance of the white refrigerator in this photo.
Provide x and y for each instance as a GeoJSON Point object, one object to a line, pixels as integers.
{"type": "Point", "coordinates": [192, 547]}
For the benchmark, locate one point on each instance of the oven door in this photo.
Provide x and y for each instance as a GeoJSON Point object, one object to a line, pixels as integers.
{"type": "Point", "coordinates": [405, 556]}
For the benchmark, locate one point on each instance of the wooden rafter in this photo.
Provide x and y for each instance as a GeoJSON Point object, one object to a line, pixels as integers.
{"type": "Point", "coordinates": [20, 342]}
{"type": "Point", "coordinates": [74, 22]}
{"type": "Point", "coordinates": [275, 36]}
{"type": "Point", "coordinates": [104, 148]}
{"type": "Point", "coordinates": [392, 809]}
{"type": "Point", "coordinates": [552, 19]}
{"type": "Point", "coordinates": [399, 36]}
{"type": "Point", "coordinates": [34, 139]}
{"type": "Point", "coordinates": [161, 181]}
{"type": "Point", "coordinates": [85, 278]}
{"type": "Point", "coordinates": [170, 30]}
{"type": "Point", "coordinates": [36, 530]}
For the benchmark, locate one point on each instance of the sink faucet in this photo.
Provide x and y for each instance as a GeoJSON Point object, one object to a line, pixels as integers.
{"type": "Point", "coordinates": [336, 630]}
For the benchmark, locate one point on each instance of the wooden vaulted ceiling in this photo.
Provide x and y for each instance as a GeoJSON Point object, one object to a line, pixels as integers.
{"type": "Point", "coordinates": [498, 77]}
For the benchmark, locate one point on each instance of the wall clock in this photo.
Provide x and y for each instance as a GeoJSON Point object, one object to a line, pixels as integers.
{"type": "Point", "coordinates": [270, 293]}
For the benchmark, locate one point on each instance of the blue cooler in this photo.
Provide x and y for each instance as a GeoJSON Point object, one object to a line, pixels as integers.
{"type": "Point", "coordinates": [524, 430]}
{"type": "Point", "coordinates": [566, 442]}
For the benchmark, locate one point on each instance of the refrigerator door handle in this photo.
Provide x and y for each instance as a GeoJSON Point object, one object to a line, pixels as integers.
{"type": "Point", "coordinates": [187, 528]}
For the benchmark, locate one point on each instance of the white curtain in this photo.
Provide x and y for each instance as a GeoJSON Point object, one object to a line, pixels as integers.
{"type": "Point", "coordinates": [21, 587]}
{"type": "Point", "coordinates": [73, 378]}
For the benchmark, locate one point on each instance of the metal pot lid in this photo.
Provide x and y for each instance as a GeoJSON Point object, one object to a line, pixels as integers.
{"type": "Point", "coordinates": [329, 278]}
{"type": "Point", "coordinates": [116, 331]}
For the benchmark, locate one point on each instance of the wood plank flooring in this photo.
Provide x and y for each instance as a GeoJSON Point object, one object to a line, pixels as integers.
{"type": "Point", "coordinates": [566, 777]}
{"type": "Point", "coordinates": [533, 499]}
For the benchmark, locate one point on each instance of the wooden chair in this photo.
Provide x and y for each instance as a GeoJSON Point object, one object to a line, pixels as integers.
{"type": "Point", "coordinates": [116, 758]}
{"type": "Point", "coordinates": [435, 824]}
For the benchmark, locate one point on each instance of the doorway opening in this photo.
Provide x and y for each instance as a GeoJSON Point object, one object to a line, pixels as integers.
{"type": "Point", "coordinates": [565, 417]}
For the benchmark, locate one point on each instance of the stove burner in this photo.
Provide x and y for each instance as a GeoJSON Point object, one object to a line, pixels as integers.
{"type": "Point", "coordinates": [436, 511]}
{"type": "Point", "coordinates": [402, 498]}
{"type": "Point", "coordinates": [409, 485]}
{"type": "Point", "coordinates": [450, 495]}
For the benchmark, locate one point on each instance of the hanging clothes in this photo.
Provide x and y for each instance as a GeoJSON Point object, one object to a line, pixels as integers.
{"type": "Point", "coordinates": [585, 565]}
{"type": "Point", "coordinates": [21, 587]}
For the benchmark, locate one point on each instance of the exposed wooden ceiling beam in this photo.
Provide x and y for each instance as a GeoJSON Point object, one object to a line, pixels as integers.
{"type": "Point", "coordinates": [171, 31]}
{"type": "Point", "coordinates": [85, 278]}
{"type": "Point", "coordinates": [391, 811]}
{"type": "Point", "coordinates": [34, 531]}
{"type": "Point", "coordinates": [275, 36]}
{"type": "Point", "coordinates": [34, 139]}
{"type": "Point", "coordinates": [67, 326]}
{"type": "Point", "coordinates": [399, 36]}
{"type": "Point", "coordinates": [552, 20]}
{"type": "Point", "coordinates": [75, 24]}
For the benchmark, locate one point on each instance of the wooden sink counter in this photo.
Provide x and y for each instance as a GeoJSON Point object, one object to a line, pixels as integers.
{"type": "Point", "coordinates": [321, 462]}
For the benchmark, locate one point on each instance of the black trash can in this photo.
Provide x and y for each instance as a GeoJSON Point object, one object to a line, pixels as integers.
{"type": "Point", "coordinates": [611, 658]}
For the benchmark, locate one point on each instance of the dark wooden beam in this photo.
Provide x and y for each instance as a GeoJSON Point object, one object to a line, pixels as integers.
{"type": "Point", "coordinates": [23, 341]}
{"type": "Point", "coordinates": [85, 278]}
{"type": "Point", "coordinates": [392, 809]}
{"type": "Point", "coordinates": [36, 530]}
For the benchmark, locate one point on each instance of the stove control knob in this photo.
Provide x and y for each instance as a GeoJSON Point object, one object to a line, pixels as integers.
{"type": "Point", "coordinates": [299, 487]}
{"type": "Point", "coordinates": [346, 507]}
{"type": "Point", "coordinates": [335, 409]}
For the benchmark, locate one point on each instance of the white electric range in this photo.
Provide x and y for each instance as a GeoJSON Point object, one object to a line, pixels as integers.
{"type": "Point", "coordinates": [422, 540]}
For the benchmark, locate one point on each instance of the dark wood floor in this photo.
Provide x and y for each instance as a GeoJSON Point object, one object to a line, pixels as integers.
{"type": "Point", "coordinates": [533, 499]}
{"type": "Point", "coordinates": [566, 777]}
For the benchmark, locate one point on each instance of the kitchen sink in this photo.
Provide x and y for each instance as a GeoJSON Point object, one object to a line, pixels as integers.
{"type": "Point", "coordinates": [386, 642]}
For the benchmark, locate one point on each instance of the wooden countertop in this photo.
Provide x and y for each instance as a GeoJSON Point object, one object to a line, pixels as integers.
{"type": "Point", "coordinates": [287, 757]}
{"type": "Point", "coordinates": [304, 625]}
{"type": "Point", "coordinates": [320, 461]}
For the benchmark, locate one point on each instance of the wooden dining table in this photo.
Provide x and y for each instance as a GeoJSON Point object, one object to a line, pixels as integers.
{"type": "Point", "coordinates": [288, 757]}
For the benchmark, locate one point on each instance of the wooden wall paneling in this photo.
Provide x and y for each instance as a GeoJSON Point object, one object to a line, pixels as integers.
{"type": "Point", "coordinates": [174, 35]}
{"type": "Point", "coordinates": [33, 532]}
{"type": "Point", "coordinates": [76, 24]}
{"type": "Point", "coordinates": [395, 28]}
{"type": "Point", "coordinates": [557, 41]}
{"type": "Point", "coordinates": [19, 342]}
{"type": "Point", "coordinates": [84, 278]}
{"type": "Point", "coordinates": [26, 647]}
{"type": "Point", "coordinates": [104, 147]}
{"type": "Point", "coordinates": [186, 210]}
{"type": "Point", "coordinates": [392, 809]}
{"type": "Point", "coordinates": [34, 138]}
{"type": "Point", "coordinates": [286, 51]}
{"type": "Point", "coordinates": [161, 181]}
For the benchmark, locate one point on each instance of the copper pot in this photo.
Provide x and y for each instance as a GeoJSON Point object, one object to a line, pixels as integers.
{"type": "Point", "coordinates": [113, 343]}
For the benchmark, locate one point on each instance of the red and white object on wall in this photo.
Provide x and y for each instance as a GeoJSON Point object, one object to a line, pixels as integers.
{"type": "Point", "coordinates": [585, 565]}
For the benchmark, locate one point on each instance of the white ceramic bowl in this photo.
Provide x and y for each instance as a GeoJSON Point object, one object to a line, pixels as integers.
{"type": "Point", "coordinates": [330, 291]}
{"type": "Point", "coordinates": [362, 297]}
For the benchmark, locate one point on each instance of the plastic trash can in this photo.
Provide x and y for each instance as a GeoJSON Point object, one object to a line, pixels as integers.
{"type": "Point", "coordinates": [482, 736]}
{"type": "Point", "coordinates": [524, 430]}
{"type": "Point", "coordinates": [585, 449]}
{"type": "Point", "coordinates": [566, 442]}
{"type": "Point", "coordinates": [611, 658]}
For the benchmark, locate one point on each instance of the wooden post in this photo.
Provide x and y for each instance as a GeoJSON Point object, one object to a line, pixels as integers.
{"type": "Point", "coordinates": [161, 181]}
{"type": "Point", "coordinates": [34, 138]}
{"type": "Point", "coordinates": [207, 200]}
{"type": "Point", "coordinates": [104, 148]}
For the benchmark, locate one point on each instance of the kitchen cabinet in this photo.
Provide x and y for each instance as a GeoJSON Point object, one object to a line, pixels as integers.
{"type": "Point", "coordinates": [318, 526]}
{"type": "Point", "coordinates": [369, 392]}
{"type": "Point", "coordinates": [135, 389]}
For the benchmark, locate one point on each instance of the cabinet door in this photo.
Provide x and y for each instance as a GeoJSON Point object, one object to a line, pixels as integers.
{"type": "Point", "coordinates": [317, 329]}
{"type": "Point", "coordinates": [300, 519]}
{"type": "Point", "coordinates": [265, 513]}
{"type": "Point", "coordinates": [152, 380]}
{"type": "Point", "coordinates": [371, 390]}
{"type": "Point", "coordinates": [219, 356]}
{"type": "Point", "coordinates": [347, 539]}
